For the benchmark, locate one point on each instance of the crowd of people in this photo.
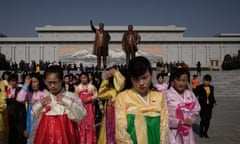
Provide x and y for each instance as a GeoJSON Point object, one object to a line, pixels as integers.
{"type": "Point", "coordinates": [65, 108]}
{"type": "Point", "coordinates": [26, 67]}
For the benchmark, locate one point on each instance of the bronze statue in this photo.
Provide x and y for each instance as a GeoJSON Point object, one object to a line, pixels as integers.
{"type": "Point", "coordinates": [100, 48]}
{"type": "Point", "coordinates": [129, 43]}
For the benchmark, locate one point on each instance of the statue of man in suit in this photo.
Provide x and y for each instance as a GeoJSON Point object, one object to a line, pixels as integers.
{"type": "Point", "coordinates": [100, 48]}
{"type": "Point", "coordinates": [129, 43]}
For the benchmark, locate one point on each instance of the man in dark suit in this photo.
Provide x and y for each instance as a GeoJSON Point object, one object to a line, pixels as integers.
{"type": "Point", "coordinates": [205, 93]}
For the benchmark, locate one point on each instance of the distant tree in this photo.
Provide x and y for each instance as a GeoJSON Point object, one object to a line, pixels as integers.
{"type": "Point", "coordinates": [231, 62]}
{"type": "Point", "coordinates": [227, 62]}
{"type": "Point", "coordinates": [2, 35]}
{"type": "Point", "coordinates": [4, 64]}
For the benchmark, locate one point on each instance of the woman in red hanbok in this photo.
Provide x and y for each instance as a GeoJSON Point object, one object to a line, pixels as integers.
{"type": "Point", "coordinates": [87, 93]}
{"type": "Point", "coordinates": [57, 113]}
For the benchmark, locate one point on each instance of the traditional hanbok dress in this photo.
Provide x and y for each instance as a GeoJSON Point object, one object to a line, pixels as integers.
{"type": "Point", "coordinates": [58, 120]}
{"type": "Point", "coordinates": [16, 116]}
{"type": "Point", "coordinates": [29, 97]}
{"type": "Point", "coordinates": [107, 131]}
{"type": "Point", "coordinates": [180, 108]}
{"type": "Point", "coordinates": [87, 126]}
{"type": "Point", "coordinates": [139, 121]}
{"type": "Point", "coordinates": [161, 87]}
{"type": "Point", "coordinates": [3, 107]}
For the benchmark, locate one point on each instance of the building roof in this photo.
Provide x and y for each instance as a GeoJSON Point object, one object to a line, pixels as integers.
{"type": "Point", "coordinates": [50, 28]}
{"type": "Point", "coordinates": [67, 40]}
{"type": "Point", "coordinates": [221, 38]}
{"type": "Point", "coordinates": [229, 35]}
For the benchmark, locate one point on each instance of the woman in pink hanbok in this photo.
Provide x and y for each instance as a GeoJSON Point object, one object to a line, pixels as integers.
{"type": "Point", "coordinates": [183, 108]}
{"type": "Point", "coordinates": [87, 93]}
{"type": "Point", "coordinates": [161, 85]}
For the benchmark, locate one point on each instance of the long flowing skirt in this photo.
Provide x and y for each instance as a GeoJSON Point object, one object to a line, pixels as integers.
{"type": "Point", "coordinates": [87, 127]}
{"type": "Point", "coordinates": [56, 130]}
{"type": "Point", "coordinates": [107, 131]}
{"type": "Point", "coordinates": [152, 124]}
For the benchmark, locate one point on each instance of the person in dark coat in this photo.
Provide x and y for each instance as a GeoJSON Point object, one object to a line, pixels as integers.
{"type": "Point", "coordinates": [199, 69]}
{"type": "Point", "coordinates": [205, 93]}
{"type": "Point", "coordinates": [16, 113]}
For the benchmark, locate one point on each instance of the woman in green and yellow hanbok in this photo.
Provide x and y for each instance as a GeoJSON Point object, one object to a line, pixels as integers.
{"type": "Point", "coordinates": [140, 110]}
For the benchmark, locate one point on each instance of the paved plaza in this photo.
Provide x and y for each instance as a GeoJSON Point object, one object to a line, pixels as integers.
{"type": "Point", "coordinates": [224, 127]}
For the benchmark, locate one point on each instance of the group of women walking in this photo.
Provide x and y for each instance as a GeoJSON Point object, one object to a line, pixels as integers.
{"type": "Point", "coordinates": [134, 111]}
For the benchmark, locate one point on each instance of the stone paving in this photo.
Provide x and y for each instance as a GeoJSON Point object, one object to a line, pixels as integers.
{"type": "Point", "coordinates": [224, 127]}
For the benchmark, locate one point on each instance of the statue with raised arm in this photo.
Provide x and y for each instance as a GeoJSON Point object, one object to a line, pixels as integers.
{"type": "Point", "coordinates": [100, 48]}
{"type": "Point", "coordinates": [129, 43]}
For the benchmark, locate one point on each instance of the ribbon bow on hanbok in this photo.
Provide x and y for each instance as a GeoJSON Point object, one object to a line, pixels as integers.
{"type": "Point", "coordinates": [183, 129]}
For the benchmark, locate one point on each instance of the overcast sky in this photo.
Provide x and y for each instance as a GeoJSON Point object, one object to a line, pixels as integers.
{"type": "Point", "coordinates": [18, 18]}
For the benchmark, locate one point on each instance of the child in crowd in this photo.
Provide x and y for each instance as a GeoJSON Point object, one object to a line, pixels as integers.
{"type": "Point", "coordinates": [205, 93]}
{"type": "Point", "coordinates": [58, 112]}
{"type": "Point", "coordinates": [140, 110]}
{"type": "Point", "coordinates": [183, 108]}
{"type": "Point", "coordinates": [160, 85]}
{"type": "Point", "coordinates": [112, 84]}
{"type": "Point", "coordinates": [87, 93]}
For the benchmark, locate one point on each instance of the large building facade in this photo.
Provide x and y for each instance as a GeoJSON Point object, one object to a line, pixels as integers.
{"type": "Point", "coordinates": [74, 44]}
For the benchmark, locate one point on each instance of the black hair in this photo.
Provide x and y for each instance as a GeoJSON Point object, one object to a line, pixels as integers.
{"type": "Point", "coordinates": [6, 73]}
{"type": "Point", "coordinates": [137, 66]}
{"type": "Point", "coordinates": [13, 77]}
{"type": "Point", "coordinates": [177, 74]}
{"type": "Point", "coordinates": [24, 75]}
{"type": "Point", "coordinates": [40, 80]}
{"type": "Point", "coordinates": [84, 73]}
{"type": "Point", "coordinates": [67, 75]}
{"type": "Point", "coordinates": [54, 69]}
{"type": "Point", "coordinates": [207, 77]}
{"type": "Point", "coordinates": [110, 82]}
{"type": "Point", "coordinates": [160, 74]}
{"type": "Point", "coordinates": [195, 76]}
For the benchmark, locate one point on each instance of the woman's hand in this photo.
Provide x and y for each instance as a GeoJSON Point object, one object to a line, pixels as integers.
{"type": "Point", "coordinates": [45, 101]}
{"type": "Point", "coordinates": [187, 121]}
{"type": "Point", "coordinates": [59, 97]}
{"type": "Point", "coordinates": [25, 134]}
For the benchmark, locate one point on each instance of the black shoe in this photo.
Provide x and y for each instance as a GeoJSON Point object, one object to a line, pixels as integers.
{"type": "Point", "coordinates": [206, 136]}
{"type": "Point", "coordinates": [201, 135]}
